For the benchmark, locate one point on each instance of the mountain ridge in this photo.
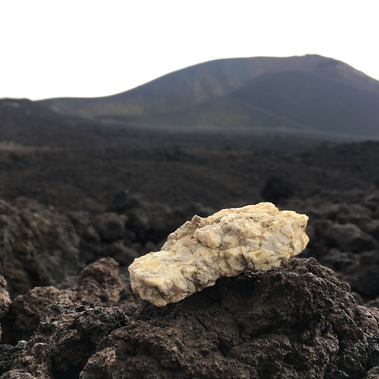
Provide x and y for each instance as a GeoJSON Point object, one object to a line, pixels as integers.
{"type": "Point", "coordinates": [307, 92]}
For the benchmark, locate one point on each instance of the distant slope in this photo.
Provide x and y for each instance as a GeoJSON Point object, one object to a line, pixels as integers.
{"type": "Point", "coordinates": [288, 100]}
{"type": "Point", "coordinates": [204, 82]}
{"type": "Point", "coordinates": [296, 93]}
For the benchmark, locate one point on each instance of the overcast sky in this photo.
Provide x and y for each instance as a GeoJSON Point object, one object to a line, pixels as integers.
{"type": "Point", "coordinates": [80, 48]}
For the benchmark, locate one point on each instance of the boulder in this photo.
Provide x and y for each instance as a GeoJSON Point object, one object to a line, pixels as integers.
{"type": "Point", "coordinates": [99, 282]}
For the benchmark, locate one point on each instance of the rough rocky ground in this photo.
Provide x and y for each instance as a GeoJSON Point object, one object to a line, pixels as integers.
{"type": "Point", "coordinates": [295, 322]}
{"type": "Point", "coordinates": [44, 247]}
{"type": "Point", "coordinates": [80, 202]}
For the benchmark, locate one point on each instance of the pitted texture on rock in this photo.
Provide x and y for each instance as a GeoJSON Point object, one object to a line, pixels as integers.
{"type": "Point", "coordinates": [298, 321]}
{"type": "Point", "coordinates": [255, 237]}
{"type": "Point", "coordinates": [64, 340]}
{"type": "Point", "coordinates": [26, 310]}
{"type": "Point", "coordinates": [31, 364]}
{"type": "Point", "coordinates": [100, 282]}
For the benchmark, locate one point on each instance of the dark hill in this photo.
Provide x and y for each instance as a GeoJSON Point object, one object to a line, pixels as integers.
{"type": "Point", "coordinates": [288, 101]}
{"type": "Point", "coordinates": [311, 94]}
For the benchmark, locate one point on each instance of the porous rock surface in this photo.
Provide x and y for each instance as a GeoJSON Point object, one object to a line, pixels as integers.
{"type": "Point", "coordinates": [298, 321]}
{"type": "Point", "coordinates": [98, 283]}
{"type": "Point", "coordinates": [26, 310]}
{"type": "Point", "coordinates": [98, 302]}
{"type": "Point", "coordinates": [64, 340]}
{"type": "Point", "coordinates": [254, 237]}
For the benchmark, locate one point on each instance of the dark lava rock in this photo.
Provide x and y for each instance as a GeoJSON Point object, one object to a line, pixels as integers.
{"type": "Point", "coordinates": [372, 200]}
{"type": "Point", "coordinates": [298, 321]}
{"type": "Point", "coordinates": [339, 261]}
{"type": "Point", "coordinates": [26, 310]}
{"type": "Point", "coordinates": [100, 282]}
{"type": "Point", "coordinates": [124, 255]}
{"type": "Point", "coordinates": [8, 354]}
{"type": "Point", "coordinates": [373, 228]}
{"type": "Point", "coordinates": [31, 364]}
{"type": "Point", "coordinates": [110, 226]}
{"type": "Point", "coordinates": [367, 281]}
{"type": "Point", "coordinates": [90, 241]}
{"type": "Point", "coordinates": [295, 322]}
{"type": "Point", "coordinates": [374, 304]}
{"type": "Point", "coordinates": [373, 351]}
{"type": "Point", "coordinates": [277, 189]}
{"type": "Point", "coordinates": [123, 201]}
{"type": "Point", "coordinates": [64, 340]}
{"type": "Point", "coordinates": [354, 214]}
{"type": "Point", "coordinates": [39, 247]}
{"type": "Point", "coordinates": [349, 237]}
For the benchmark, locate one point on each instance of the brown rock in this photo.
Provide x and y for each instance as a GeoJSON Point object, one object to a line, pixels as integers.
{"type": "Point", "coordinates": [31, 364]}
{"type": "Point", "coordinates": [26, 311]}
{"type": "Point", "coordinates": [100, 282]}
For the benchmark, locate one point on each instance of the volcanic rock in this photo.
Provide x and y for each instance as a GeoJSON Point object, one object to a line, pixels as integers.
{"type": "Point", "coordinates": [277, 189]}
{"type": "Point", "coordinates": [39, 247]}
{"type": "Point", "coordinates": [111, 226]}
{"type": "Point", "coordinates": [349, 237]}
{"type": "Point", "coordinates": [99, 282]}
{"type": "Point", "coordinates": [64, 340]}
{"type": "Point", "coordinates": [26, 310]}
{"type": "Point", "coordinates": [367, 281]}
{"type": "Point", "coordinates": [124, 255]}
{"type": "Point", "coordinates": [298, 321]}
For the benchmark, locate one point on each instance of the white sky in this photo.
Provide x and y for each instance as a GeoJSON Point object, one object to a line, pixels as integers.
{"type": "Point", "coordinates": [81, 48]}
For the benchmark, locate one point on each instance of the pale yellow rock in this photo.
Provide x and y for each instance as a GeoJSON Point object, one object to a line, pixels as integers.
{"type": "Point", "coordinates": [255, 237]}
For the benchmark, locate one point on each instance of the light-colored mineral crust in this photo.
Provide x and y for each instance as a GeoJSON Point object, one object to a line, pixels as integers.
{"type": "Point", "coordinates": [255, 237]}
